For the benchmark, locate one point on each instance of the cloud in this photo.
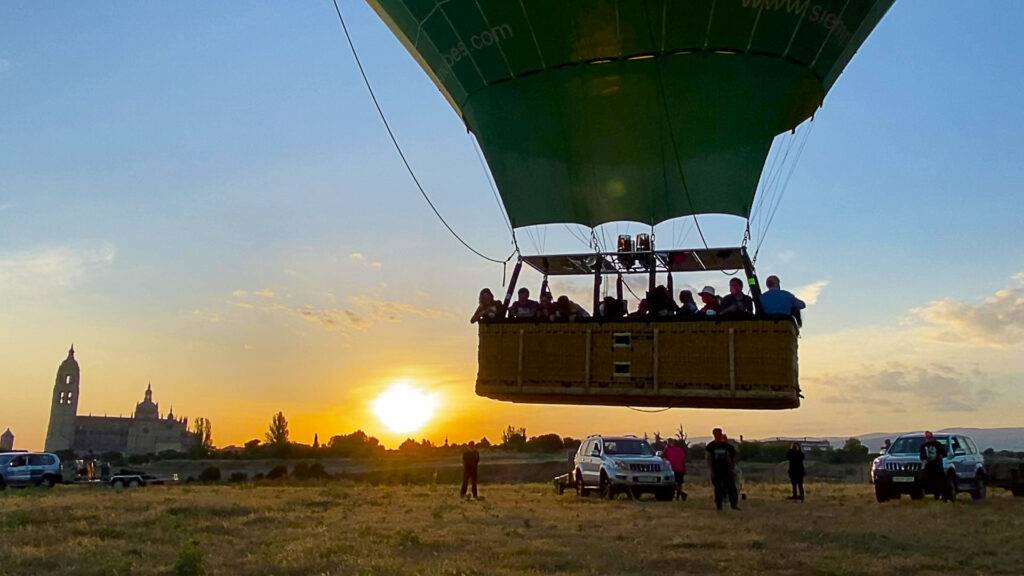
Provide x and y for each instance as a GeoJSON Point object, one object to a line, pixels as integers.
{"type": "Point", "coordinates": [5, 206]}
{"type": "Point", "coordinates": [208, 316]}
{"type": "Point", "coordinates": [786, 255]}
{"type": "Point", "coordinates": [53, 268]}
{"type": "Point", "coordinates": [360, 313]}
{"type": "Point", "coordinates": [357, 256]}
{"type": "Point", "coordinates": [361, 258]}
{"type": "Point", "coordinates": [997, 321]}
{"type": "Point", "coordinates": [933, 386]}
{"type": "Point", "coordinates": [810, 293]}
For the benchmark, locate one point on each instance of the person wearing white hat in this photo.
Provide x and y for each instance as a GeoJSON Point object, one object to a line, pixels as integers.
{"type": "Point", "coordinates": [711, 302]}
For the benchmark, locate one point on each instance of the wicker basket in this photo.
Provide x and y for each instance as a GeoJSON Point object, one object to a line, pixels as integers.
{"type": "Point", "coordinates": [746, 364]}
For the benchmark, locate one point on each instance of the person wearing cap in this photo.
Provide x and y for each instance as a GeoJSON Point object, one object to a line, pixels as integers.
{"type": "Point", "coordinates": [546, 311]}
{"type": "Point", "coordinates": [736, 303]}
{"type": "Point", "coordinates": [932, 454]}
{"type": "Point", "coordinates": [524, 307]}
{"type": "Point", "coordinates": [780, 302]}
{"type": "Point", "coordinates": [711, 302]}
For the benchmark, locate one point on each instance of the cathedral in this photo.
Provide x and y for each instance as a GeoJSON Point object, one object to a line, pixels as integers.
{"type": "Point", "coordinates": [145, 432]}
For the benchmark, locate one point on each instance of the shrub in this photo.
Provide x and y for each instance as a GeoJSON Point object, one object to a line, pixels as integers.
{"type": "Point", "coordinates": [238, 477]}
{"type": "Point", "coordinates": [316, 470]}
{"type": "Point", "coordinates": [301, 471]}
{"type": "Point", "coordinates": [190, 561]}
{"type": "Point", "coordinates": [210, 474]}
{"type": "Point", "coordinates": [277, 472]}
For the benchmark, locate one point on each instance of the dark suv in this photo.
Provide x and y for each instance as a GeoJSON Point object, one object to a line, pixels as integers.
{"type": "Point", "coordinates": [900, 471]}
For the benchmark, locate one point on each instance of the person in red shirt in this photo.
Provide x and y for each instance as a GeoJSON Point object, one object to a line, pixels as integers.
{"type": "Point", "coordinates": [676, 457]}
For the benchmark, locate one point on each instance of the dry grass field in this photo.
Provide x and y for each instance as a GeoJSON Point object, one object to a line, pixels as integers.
{"type": "Point", "coordinates": [346, 528]}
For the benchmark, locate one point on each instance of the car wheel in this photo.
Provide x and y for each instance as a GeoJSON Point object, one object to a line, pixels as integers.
{"type": "Point", "coordinates": [881, 494]}
{"type": "Point", "coordinates": [48, 482]}
{"type": "Point", "coordinates": [1018, 491]}
{"type": "Point", "coordinates": [951, 487]}
{"type": "Point", "coordinates": [3, 485]}
{"type": "Point", "coordinates": [581, 489]}
{"type": "Point", "coordinates": [980, 490]}
{"type": "Point", "coordinates": [606, 487]}
{"type": "Point", "coordinates": [134, 484]}
{"type": "Point", "coordinates": [664, 495]}
{"type": "Point", "coordinates": [917, 494]}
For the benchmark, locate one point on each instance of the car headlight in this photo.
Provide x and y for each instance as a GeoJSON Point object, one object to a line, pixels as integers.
{"type": "Point", "coordinates": [621, 464]}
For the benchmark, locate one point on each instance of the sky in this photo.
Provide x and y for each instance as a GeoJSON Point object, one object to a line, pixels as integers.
{"type": "Point", "coordinates": [200, 195]}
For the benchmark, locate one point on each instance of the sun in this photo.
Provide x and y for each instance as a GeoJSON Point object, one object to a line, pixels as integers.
{"type": "Point", "coordinates": [404, 408]}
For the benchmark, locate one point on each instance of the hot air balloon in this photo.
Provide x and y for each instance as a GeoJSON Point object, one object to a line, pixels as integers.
{"type": "Point", "coordinates": [593, 111]}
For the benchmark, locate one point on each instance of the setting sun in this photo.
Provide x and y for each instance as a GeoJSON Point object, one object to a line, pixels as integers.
{"type": "Point", "coordinates": [404, 408]}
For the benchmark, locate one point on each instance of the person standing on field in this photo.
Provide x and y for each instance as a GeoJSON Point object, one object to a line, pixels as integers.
{"type": "Point", "coordinates": [721, 459]}
{"type": "Point", "coordinates": [470, 463]}
{"type": "Point", "coordinates": [932, 455]}
{"type": "Point", "coordinates": [795, 455]}
{"type": "Point", "coordinates": [676, 457]}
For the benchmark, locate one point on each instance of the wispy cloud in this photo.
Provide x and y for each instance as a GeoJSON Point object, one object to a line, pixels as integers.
{"type": "Point", "coordinates": [53, 268]}
{"type": "Point", "coordinates": [810, 293]}
{"type": "Point", "coordinates": [358, 313]}
{"type": "Point", "coordinates": [931, 386]}
{"type": "Point", "coordinates": [361, 258]}
{"type": "Point", "coordinates": [996, 321]}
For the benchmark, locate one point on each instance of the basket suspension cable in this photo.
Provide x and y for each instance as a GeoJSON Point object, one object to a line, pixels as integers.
{"type": "Point", "coordinates": [401, 153]}
{"type": "Point", "coordinates": [785, 185]}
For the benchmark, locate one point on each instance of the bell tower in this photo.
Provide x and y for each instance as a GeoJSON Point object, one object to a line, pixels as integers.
{"type": "Point", "coordinates": [60, 435]}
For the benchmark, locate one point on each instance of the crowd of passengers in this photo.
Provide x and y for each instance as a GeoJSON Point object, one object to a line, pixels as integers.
{"type": "Point", "coordinates": [659, 304]}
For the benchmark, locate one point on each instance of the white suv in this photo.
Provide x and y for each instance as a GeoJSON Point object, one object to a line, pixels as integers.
{"type": "Point", "coordinates": [613, 464]}
{"type": "Point", "coordinates": [29, 469]}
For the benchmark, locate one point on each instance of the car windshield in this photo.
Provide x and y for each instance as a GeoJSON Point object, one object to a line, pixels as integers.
{"type": "Point", "coordinates": [912, 444]}
{"type": "Point", "coordinates": [623, 447]}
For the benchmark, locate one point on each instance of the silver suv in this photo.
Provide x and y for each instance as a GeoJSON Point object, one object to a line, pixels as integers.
{"type": "Point", "coordinates": [614, 464]}
{"type": "Point", "coordinates": [29, 469]}
{"type": "Point", "coordinates": [900, 471]}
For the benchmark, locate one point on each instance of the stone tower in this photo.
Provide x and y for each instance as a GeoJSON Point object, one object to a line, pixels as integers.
{"type": "Point", "coordinates": [60, 435]}
{"type": "Point", "coordinates": [7, 441]}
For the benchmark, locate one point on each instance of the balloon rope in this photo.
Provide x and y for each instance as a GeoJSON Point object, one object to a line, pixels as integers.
{"type": "Point", "coordinates": [401, 154]}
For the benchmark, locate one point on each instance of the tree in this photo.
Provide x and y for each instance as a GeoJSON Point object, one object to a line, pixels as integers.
{"type": "Point", "coordinates": [203, 431]}
{"type": "Point", "coordinates": [277, 434]}
{"type": "Point", "coordinates": [545, 443]}
{"type": "Point", "coordinates": [513, 438]}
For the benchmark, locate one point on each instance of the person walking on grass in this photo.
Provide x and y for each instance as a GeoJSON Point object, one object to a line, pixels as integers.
{"type": "Point", "coordinates": [720, 456]}
{"type": "Point", "coordinates": [470, 463]}
{"type": "Point", "coordinates": [795, 455]}
{"type": "Point", "coordinates": [676, 457]}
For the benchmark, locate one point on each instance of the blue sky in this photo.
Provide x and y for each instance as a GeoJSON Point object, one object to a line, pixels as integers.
{"type": "Point", "coordinates": [168, 157]}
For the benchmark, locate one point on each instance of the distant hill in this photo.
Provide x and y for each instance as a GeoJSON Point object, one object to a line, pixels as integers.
{"type": "Point", "coordinates": [997, 438]}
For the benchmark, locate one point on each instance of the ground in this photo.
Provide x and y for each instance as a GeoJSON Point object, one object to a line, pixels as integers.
{"type": "Point", "coordinates": [347, 528]}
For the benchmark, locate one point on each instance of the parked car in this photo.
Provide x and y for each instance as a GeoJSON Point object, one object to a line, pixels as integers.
{"type": "Point", "coordinates": [615, 464]}
{"type": "Point", "coordinates": [133, 479]}
{"type": "Point", "coordinates": [900, 470]}
{"type": "Point", "coordinates": [29, 469]}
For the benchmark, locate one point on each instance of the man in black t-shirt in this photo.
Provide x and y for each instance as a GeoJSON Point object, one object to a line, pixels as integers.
{"type": "Point", "coordinates": [736, 303]}
{"type": "Point", "coordinates": [721, 460]}
{"type": "Point", "coordinates": [932, 454]}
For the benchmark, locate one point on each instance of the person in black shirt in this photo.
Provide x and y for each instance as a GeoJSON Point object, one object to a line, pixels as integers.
{"type": "Point", "coordinates": [524, 307]}
{"type": "Point", "coordinates": [795, 455]}
{"type": "Point", "coordinates": [736, 303]}
{"type": "Point", "coordinates": [721, 460]}
{"type": "Point", "coordinates": [470, 462]}
{"type": "Point", "coordinates": [932, 454]}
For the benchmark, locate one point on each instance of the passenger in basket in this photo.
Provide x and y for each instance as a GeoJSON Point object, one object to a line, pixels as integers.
{"type": "Point", "coordinates": [568, 311]}
{"type": "Point", "coordinates": [687, 307]}
{"type": "Point", "coordinates": [779, 301]}
{"type": "Point", "coordinates": [736, 303]}
{"type": "Point", "coordinates": [711, 302]}
{"type": "Point", "coordinates": [546, 311]}
{"type": "Point", "coordinates": [612, 308]}
{"type": "Point", "coordinates": [524, 307]}
{"type": "Point", "coordinates": [489, 308]}
{"type": "Point", "coordinates": [660, 304]}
